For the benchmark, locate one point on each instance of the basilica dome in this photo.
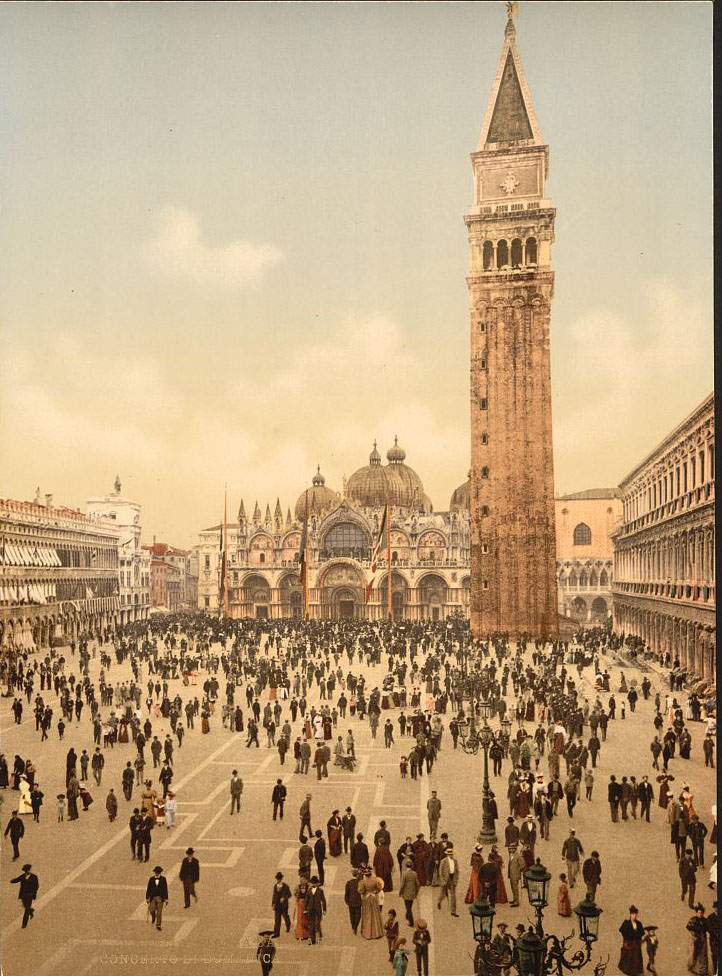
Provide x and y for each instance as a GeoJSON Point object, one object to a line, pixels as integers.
{"type": "Point", "coordinates": [374, 486]}
{"type": "Point", "coordinates": [414, 496]}
{"type": "Point", "coordinates": [461, 498]}
{"type": "Point", "coordinates": [320, 498]}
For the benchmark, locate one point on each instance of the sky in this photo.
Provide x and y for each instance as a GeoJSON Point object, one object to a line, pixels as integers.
{"type": "Point", "coordinates": [232, 241]}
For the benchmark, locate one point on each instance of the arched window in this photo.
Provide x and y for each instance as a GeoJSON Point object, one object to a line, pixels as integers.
{"type": "Point", "coordinates": [262, 557]}
{"type": "Point", "coordinates": [484, 472]}
{"type": "Point", "coordinates": [488, 255]}
{"type": "Point", "coordinates": [583, 580]}
{"type": "Point", "coordinates": [582, 535]}
{"type": "Point", "coordinates": [346, 539]}
{"type": "Point", "coordinates": [531, 253]}
{"type": "Point", "coordinates": [593, 580]}
{"type": "Point", "coordinates": [572, 578]}
{"type": "Point", "coordinates": [603, 578]}
{"type": "Point", "coordinates": [502, 254]}
{"type": "Point", "coordinates": [484, 509]}
{"type": "Point", "coordinates": [516, 253]}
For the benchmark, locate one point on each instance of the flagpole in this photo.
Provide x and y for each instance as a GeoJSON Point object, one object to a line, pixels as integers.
{"type": "Point", "coordinates": [388, 560]}
{"type": "Point", "coordinates": [305, 561]}
{"type": "Point", "coordinates": [225, 549]}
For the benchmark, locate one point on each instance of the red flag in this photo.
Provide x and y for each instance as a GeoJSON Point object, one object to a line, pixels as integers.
{"type": "Point", "coordinates": [375, 556]}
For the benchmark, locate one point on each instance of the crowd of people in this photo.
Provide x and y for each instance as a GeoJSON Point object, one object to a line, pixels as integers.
{"type": "Point", "coordinates": [303, 686]}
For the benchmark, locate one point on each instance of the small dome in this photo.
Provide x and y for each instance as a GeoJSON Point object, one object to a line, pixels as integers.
{"type": "Point", "coordinates": [461, 498]}
{"type": "Point", "coordinates": [374, 456]}
{"type": "Point", "coordinates": [396, 453]}
{"type": "Point", "coordinates": [320, 499]}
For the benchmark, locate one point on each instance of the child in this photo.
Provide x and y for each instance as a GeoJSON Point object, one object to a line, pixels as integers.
{"type": "Point", "coordinates": [564, 906]}
{"type": "Point", "coordinates": [589, 783]}
{"type": "Point", "coordinates": [404, 766]}
{"type": "Point", "coordinates": [623, 709]}
{"type": "Point", "coordinates": [61, 807]}
{"type": "Point", "coordinates": [652, 942]}
{"type": "Point", "coordinates": [170, 809]}
{"type": "Point", "coordinates": [391, 928]}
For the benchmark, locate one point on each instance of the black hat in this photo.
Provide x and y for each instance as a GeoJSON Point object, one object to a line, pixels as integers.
{"type": "Point", "coordinates": [633, 910]}
{"type": "Point", "coordinates": [157, 870]}
{"type": "Point", "coordinates": [189, 850]}
{"type": "Point", "coordinates": [314, 880]}
{"type": "Point", "coordinates": [279, 875]}
{"type": "Point", "coordinates": [650, 928]}
{"type": "Point", "coordinates": [26, 867]}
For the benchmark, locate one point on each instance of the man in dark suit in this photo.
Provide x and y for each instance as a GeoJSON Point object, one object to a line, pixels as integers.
{"type": "Point", "coordinates": [156, 895]}
{"type": "Point", "coordinates": [348, 824]}
{"type": "Point", "coordinates": [29, 885]}
{"type": "Point", "coordinates": [614, 795]}
{"type": "Point", "coordinates": [278, 798]}
{"type": "Point", "coordinates": [646, 795]}
{"type": "Point", "coordinates": [315, 909]}
{"type": "Point", "coordinates": [135, 823]}
{"type": "Point", "coordinates": [190, 872]}
{"type": "Point", "coordinates": [319, 853]}
{"type": "Point", "coordinates": [279, 903]}
{"type": "Point", "coordinates": [16, 829]}
{"type": "Point", "coordinates": [144, 829]}
{"type": "Point", "coordinates": [359, 852]}
{"type": "Point", "coordinates": [353, 899]}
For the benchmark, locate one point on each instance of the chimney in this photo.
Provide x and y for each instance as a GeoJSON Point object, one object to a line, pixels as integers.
{"type": "Point", "coordinates": [48, 501]}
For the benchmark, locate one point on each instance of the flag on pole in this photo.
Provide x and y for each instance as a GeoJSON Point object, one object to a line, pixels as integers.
{"type": "Point", "coordinates": [375, 555]}
{"type": "Point", "coordinates": [222, 576]}
{"type": "Point", "coordinates": [302, 559]}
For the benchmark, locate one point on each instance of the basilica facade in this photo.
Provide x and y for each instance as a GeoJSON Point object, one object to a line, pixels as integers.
{"type": "Point", "coordinates": [430, 551]}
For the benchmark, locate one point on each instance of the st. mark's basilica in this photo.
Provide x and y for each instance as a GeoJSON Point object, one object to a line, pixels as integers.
{"type": "Point", "coordinates": [430, 551]}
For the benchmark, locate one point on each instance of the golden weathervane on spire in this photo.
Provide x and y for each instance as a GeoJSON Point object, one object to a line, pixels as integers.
{"type": "Point", "coordinates": [512, 8]}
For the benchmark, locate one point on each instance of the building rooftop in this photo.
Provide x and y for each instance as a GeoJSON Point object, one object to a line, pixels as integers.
{"type": "Point", "coordinates": [590, 494]}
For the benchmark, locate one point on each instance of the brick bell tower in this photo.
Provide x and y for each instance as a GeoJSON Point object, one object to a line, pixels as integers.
{"type": "Point", "coordinates": [511, 284]}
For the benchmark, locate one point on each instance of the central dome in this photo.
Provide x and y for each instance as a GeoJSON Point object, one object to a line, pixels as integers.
{"type": "Point", "coordinates": [374, 485]}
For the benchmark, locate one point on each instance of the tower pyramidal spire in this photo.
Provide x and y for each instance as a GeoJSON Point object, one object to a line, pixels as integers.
{"type": "Point", "coordinates": [511, 284]}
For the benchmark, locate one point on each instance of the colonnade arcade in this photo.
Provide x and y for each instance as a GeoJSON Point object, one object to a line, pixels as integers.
{"type": "Point", "coordinates": [693, 642]}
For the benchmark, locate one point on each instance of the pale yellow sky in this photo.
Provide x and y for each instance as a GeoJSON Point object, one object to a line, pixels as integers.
{"type": "Point", "coordinates": [233, 245]}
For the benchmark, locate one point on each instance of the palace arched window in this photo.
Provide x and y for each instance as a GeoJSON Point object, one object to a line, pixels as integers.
{"type": "Point", "coordinates": [531, 250]}
{"type": "Point", "coordinates": [582, 535]}
{"type": "Point", "coordinates": [516, 253]}
{"type": "Point", "coordinates": [502, 254]}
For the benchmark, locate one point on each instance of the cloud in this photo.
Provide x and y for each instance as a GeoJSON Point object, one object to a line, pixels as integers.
{"type": "Point", "coordinates": [177, 251]}
{"type": "Point", "coordinates": [632, 381]}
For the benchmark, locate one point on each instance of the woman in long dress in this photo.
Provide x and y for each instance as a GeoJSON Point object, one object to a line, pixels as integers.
{"type": "Point", "coordinates": [24, 803]}
{"type": "Point", "coordinates": [301, 931]}
{"type": "Point", "coordinates": [371, 924]}
{"type": "Point", "coordinates": [335, 834]}
{"type": "Point", "coordinates": [698, 959]}
{"type": "Point", "coordinates": [474, 889]}
{"type": "Point", "coordinates": [564, 905]}
{"type": "Point", "coordinates": [501, 896]}
{"type": "Point", "coordinates": [147, 800]}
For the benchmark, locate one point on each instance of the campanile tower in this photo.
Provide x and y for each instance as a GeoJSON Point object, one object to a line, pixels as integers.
{"type": "Point", "coordinates": [511, 283]}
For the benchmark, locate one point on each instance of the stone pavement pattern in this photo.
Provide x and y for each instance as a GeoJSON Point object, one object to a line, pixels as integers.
{"type": "Point", "coordinates": [91, 913]}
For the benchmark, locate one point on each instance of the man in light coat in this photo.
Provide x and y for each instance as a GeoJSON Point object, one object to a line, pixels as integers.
{"type": "Point", "coordinates": [409, 888]}
{"type": "Point", "coordinates": [448, 879]}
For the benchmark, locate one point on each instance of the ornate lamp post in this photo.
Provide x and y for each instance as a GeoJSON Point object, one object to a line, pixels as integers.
{"type": "Point", "coordinates": [539, 954]}
{"type": "Point", "coordinates": [487, 961]}
{"type": "Point", "coordinates": [487, 834]}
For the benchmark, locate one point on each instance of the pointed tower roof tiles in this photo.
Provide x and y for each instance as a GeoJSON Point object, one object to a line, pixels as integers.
{"type": "Point", "coordinates": [510, 114]}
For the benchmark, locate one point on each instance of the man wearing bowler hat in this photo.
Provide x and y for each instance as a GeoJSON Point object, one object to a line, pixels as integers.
{"type": "Point", "coordinates": [190, 872]}
{"type": "Point", "coordinates": [156, 895]}
{"type": "Point", "coordinates": [29, 885]}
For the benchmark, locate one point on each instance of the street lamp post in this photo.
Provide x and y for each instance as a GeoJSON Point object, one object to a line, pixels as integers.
{"type": "Point", "coordinates": [487, 834]}
{"type": "Point", "coordinates": [536, 953]}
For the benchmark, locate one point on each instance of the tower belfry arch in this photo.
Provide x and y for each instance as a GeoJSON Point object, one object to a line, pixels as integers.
{"type": "Point", "coordinates": [511, 284]}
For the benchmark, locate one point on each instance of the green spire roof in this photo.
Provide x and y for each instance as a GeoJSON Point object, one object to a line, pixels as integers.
{"type": "Point", "coordinates": [509, 121]}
